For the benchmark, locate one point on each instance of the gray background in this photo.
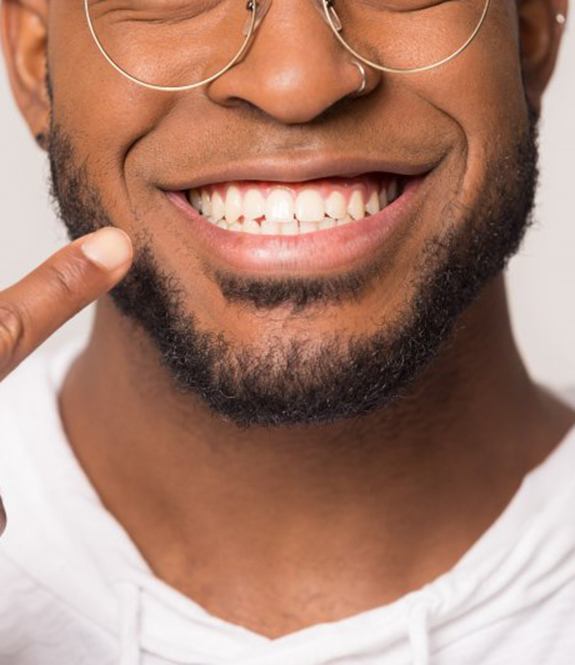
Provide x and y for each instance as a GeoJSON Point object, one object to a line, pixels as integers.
{"type": "Point", "coordinates": [541, 278]}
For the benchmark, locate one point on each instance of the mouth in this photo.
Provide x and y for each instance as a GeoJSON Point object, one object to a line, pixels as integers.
{"type": "Point", "coordinates": [268, 208]}
{"type": "Point", "coordinates": [313, 226]}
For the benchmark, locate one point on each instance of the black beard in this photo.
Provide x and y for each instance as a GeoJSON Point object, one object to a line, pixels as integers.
{"type": "Point", "coordinates": [295, 381]}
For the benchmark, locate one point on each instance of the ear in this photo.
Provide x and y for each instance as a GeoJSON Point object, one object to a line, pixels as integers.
{"type": "Point", "coordinates": [23, 28]}
{"type": "Point", "coordinates": [541, 27]}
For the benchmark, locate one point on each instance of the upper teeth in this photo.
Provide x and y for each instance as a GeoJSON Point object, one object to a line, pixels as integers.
{"type": "Point", "coordinates": [284, 210]}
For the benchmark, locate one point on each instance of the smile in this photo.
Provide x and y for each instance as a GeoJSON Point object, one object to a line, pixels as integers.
{"type": "Point", "coordinates": [320, 224]}
{"type": "Point", "coordinates": [267, 208]}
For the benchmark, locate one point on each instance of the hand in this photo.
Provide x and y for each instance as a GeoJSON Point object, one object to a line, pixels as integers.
{"type": "Point", "coordinates": [34, 308]}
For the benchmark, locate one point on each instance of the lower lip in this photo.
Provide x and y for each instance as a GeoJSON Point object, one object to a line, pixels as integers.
{"type": "Point", "coordinates": [324, 251]}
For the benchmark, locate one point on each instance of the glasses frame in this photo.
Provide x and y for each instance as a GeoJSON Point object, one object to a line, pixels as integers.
{"type": "Point", "coordinates": [258, 9]}
{"type": "Point", "coordinates": [336, 26]}
{"type": "Point", "coordinates": [252, 6]}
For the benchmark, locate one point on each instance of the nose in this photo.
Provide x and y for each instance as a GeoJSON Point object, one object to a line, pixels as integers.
{"type": "Point", "coordinates": [295, 69]}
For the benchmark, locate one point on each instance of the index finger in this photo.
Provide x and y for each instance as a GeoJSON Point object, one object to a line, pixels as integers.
{"type": "Point", "coordinates": [34, 308]}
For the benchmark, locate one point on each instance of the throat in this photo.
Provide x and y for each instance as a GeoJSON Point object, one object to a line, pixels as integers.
{"type": "Point", "coordinates": [275, 530]}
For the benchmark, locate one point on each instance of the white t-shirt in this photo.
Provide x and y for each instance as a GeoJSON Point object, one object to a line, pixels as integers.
{"type": "Point", "coordinates": [74, 590]}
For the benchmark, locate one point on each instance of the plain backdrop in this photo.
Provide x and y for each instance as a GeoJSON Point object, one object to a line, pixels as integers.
{"type": "Point", "coordinates": [541, 278]}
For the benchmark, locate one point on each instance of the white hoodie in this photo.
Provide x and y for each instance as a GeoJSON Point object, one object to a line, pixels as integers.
{"type": "Point", "coordinates": [74, 590]}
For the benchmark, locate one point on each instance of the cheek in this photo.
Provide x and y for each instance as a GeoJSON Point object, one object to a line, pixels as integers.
{"type": "Point", "coordinates": [482, 94]}
{"type": "Point", "coordinates": [103, 113]}
{"type": "Point", "coordinates": [482, 90]}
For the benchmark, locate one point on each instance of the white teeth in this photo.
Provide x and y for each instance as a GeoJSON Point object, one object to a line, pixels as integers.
{"type": "Point", "coordinates": [269, 228]}
{"type": "Point", "coordinates": [289, 228]}
{"type": "Point", "coordinates": [254, 204]}
{"type": "Point", "coordinates": [280, 214]}
{"type": "Point", "coordinates": [327, 223]}
{"type": "Point", "coordinates": [218, 206]}
{"type": "Point", "coordinates": [335, 205]}
{"type": "Point", "coordinates": [279, 206]}
{"type": "Point", "coordinates": [251, 226]}
{"type": "Point", "coordinates": [195, 198]}
{"type": "Point", "coordinates": [206, 203]}
{"type": "Point", "coordinates": [356, 206]}
{"type": "Point", "coordinates": [233, 204]}
{"type": "Point", "coordinates": [308, 227]}
{"type": "Point", "coordinates": [346, 220]}
{"type": "Point", "coordinates": [309, 206]}
{"type": "Point", "coordinates": [372, 205]}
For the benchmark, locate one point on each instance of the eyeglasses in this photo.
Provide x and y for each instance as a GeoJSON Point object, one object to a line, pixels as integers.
{"type": "Point", "coordinates": [178, 45]}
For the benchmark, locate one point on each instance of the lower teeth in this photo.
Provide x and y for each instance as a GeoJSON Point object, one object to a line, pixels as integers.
{"type": "Point", "coordinates": [295, 227]}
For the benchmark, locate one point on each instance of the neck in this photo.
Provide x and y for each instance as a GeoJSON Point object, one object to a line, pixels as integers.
{"type": "Point", "coordinates": [276, 529]}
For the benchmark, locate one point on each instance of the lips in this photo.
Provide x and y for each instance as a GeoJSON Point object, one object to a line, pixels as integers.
{"type": "Point", "coordinates": [286, 228]}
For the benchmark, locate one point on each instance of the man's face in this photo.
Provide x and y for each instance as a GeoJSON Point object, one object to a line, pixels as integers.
{"type": "Point", "coordinates": [289, 322]}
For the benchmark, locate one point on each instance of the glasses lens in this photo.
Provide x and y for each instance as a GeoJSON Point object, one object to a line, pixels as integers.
{"type": "Point", "coordinates": [170, 43]}
{"type": "Point", "coordinates": [408, 34]}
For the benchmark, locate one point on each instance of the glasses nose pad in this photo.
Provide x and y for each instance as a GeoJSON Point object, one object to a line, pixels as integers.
{"type": "Point", "coordinates": [261, 7]}
{"type": "Point", "coordinates": [328, 13]}
{"type": "Point", "coordinates": [258, 9]}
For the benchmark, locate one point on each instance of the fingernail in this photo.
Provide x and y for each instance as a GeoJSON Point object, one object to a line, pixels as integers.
{"type": "Point", "coordinates": [109, 248]}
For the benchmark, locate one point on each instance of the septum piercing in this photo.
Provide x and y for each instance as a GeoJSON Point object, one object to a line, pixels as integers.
{"type": "Point", "coordinates": [363, 84]}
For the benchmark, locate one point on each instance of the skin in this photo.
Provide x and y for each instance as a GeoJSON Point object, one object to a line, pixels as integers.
{"type": "Point", "coordinates": [280, 529]}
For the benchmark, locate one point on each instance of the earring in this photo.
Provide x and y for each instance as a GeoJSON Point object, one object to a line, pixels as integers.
{"type": "Point", "coordinates": [560, 18]}
{"type": "Point", "coordinates": [363, 84]}
{"type": "Point", "coordinates": [40, 139]}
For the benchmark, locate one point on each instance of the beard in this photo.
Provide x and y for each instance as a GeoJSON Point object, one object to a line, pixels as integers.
{"type": "Point", "coordinates": [300, 381]}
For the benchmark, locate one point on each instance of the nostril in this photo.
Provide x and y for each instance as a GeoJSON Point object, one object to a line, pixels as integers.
{"type": "Point", "coordinates": [294, 71]}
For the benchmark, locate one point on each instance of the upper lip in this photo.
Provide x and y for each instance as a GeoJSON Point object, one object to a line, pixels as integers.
{"type": "Point", "coordinates": [296, 168]}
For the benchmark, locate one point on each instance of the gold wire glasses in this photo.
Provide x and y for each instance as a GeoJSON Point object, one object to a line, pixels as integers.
{"type": "Point", "coordinates": [178, 45]}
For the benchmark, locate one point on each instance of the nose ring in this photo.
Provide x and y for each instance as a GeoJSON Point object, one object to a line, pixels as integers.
{"type": "Point", "coordinates": [363, 84]}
